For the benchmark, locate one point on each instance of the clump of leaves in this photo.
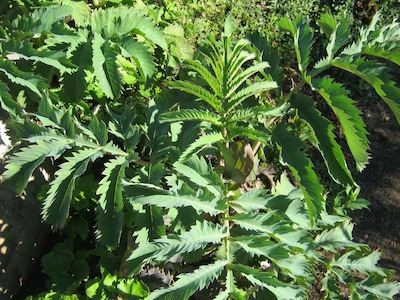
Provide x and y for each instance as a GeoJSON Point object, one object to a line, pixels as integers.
{"type": "Point", "coordinates": [156, 183]}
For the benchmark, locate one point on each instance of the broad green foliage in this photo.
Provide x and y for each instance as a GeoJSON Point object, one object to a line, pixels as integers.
{"type": "Point", "coordinates": [166, 173]}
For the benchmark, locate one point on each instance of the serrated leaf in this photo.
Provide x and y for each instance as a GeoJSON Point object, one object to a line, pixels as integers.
{"type": "Point", "coordinates": [292, 155]}
{"type": "Point", "coordinates": [197, 91]}
{"type": "Point", "coordinates": [325, 139]}
{"type": "Point", "coordinates": [75, 84]}
{"type": "Point", "coordinates": [200, 143]}
{"type": "Point", "coordinates": [57, 203]}
{"type": "Point", "coordinates": [42, 19]}
{"type": "Point", "coordinates": [248, 113]}
{"type": "Point", "coordinates": [7, 103]}
{"type": "Point", "coordinates": [303, 40]}
{"type": "Point", "coordinates": [121, 20]}
{"type": "Point", "coordinates": [142, 57]}
{"type": "Point", "coordinates": [110, 216]}
{"type": "Point", "coordinates": [20, 166]}
{"type": "Point", "coordinates": [211, 80]}
{"type": "Point", "coordinates": [201, 203]}
{"type": "Point", "coordinates": [252, 201]}
{"type": "Point", "coordinates": [105, 67]}
{"type": "Point", "coordinates": [337, 238]}
{"type": "Point", "coordinates": [198, 171]}
{"type": "Point", "coordinates": [348, 117]}
{"type": "Point", "coordinates": [269, 54]}
{"type": "Point", "coordinates": [99, 130]}
{"type": "Point", "coordinates": [189, 283]}
{"type": "Point", "coordinates": [162, 249]}
{"type": "Point", "coordinates": [26, 79]}
{"type": "Point", "coordinates": [378, 76]}
{"type": "Point", "coordinates": [25, 50]}
{"type": "Point", "coordinates": [249, 91]}
{"type": "Point", "coordinates": [272, 225]}
{"type": "Point", "coordinates": [192, 115]}
{"type": "Point", "coordinates": [354, 261]}
{"type": "Point", "coordinates": [384, 291]}
{"type": "Point", "coordinates": [267, 280]}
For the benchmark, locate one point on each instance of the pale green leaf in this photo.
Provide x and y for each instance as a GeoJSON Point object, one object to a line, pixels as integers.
{"type": "Point", "coordinates": [189, 283]}
{"type": "Point", "coordinates": [192, 115]}
{"type": "Point", "coordinates": [337, 238]}
{"type": "Point", "coordinates": [267, 280]}
{"type": "Point", "coordinates": [197, 91]}
{"type": "Point", "coordinates": [359, 262]}
{"type": "Point", "coordinates": [162, 249]}
{"type": "Point", "coordinates": [255, 111]}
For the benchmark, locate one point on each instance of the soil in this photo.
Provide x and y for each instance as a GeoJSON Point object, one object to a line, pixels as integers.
{"type": "Point", "coordinates": [379, 227]}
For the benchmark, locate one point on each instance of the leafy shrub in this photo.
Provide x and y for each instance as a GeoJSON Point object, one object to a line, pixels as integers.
{"type": "Point", "coordinates": [172, 178]}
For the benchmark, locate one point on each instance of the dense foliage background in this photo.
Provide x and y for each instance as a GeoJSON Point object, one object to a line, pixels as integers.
{"type": "Point", "coordinates": [198, 149]}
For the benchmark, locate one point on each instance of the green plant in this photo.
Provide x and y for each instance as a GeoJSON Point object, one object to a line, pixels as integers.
{"type": "Point", "coordinates": [160, 202]}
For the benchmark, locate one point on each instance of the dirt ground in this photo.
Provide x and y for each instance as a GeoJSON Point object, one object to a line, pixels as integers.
{"type": "Point", "coordinates": [380, 184]}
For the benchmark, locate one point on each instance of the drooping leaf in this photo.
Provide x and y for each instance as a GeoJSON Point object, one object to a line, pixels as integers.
{"type": "Point", "coordinates": [105, 67]}
{"type": "Point", "coordinates": [57, 203]}
{"type": "Point", "coordinates": [7, 103]}
{"type": "Point", "coordinates": [110, 206]}
{"type": "Point", "coordinates": [75, 83]}
{"type": "Point", "coordinates": [292, 155]}
{"type": "Point", "coordinates": [162, 249]}
{"type": "Point", "coordinates": [303, 39]}
{"type": "Point", "coordinates": [325, 138]}
{"type": "Point", "coordinates": [189, 283]}
{"type": "Point", "coordinates": [21, 165]}
{"type": "Point", "coordinates": [25, 50]}
{"type": "Point", "coordinates": [26, 79]}
{"type": "Point", "coordinates": [378, 76]}
{"type": "Point", "coordinates": [348, 117]}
